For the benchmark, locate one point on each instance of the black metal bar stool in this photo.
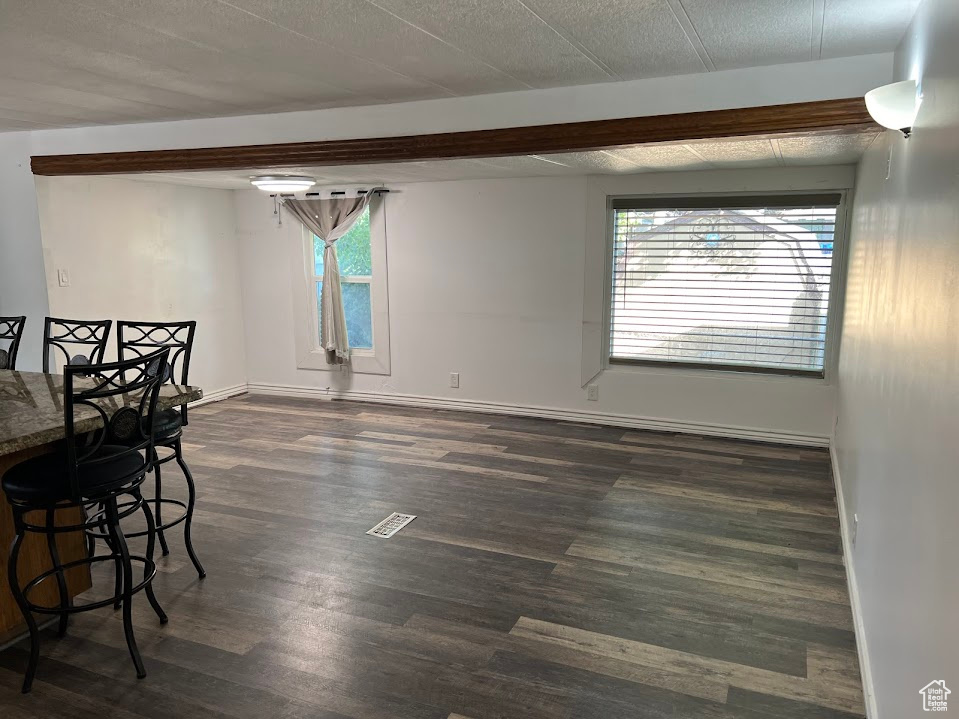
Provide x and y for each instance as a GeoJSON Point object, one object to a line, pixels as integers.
{"type": "Point", "coordinates": [135, 339]}
{"type": "Point", "coordinates": [11, 330]}
{"type": "Point", "coordinates": [109, 412]}
{"type": "Point", "coordinates": [65, 336]}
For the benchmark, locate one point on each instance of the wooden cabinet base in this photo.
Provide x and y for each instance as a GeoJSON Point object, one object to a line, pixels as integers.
{"type": "Point", "coordinates": [35, 556]}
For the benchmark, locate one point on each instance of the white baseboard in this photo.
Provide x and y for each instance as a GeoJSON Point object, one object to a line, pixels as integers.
{"type": "Point", "coordinates": [867, 686]}
{"type": "Point", "coordinates": [220, 394]}
{"type": "Point", "coordinates": [569, 415]}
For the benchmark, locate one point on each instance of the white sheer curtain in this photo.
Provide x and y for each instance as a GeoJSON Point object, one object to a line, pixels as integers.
{"type": "Point", "coordinates": [330, 219]}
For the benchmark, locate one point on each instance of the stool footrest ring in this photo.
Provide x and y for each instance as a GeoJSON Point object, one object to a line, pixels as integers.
{"type": "Point", "coordinates": [160, 527]}
{"type": "Point", "coordinates": [149, 566]}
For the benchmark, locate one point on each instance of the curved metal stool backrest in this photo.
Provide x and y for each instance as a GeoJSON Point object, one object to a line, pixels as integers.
{"type": "Point", "coordinates": [124, 396]}
{"type": "Point", "coordinates": [61, 337]}
{"type": "Point", "coordinates": [11, 330]}
{"type": "Point", "coordinates": [138, 338]}
{"type": "Point", "coordinates": [134, 338]}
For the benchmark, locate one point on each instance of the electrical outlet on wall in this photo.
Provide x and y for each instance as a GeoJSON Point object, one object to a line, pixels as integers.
{"type": "Point", "coordinates": [455, 380]}
{"type": "Point", "coordinates": [592, 392]}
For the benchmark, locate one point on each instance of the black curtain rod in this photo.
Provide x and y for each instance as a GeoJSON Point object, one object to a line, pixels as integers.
{"type": "Point", "coordinates": [335, 193]}
{"type": "Point", "coordinates": [378, 191]}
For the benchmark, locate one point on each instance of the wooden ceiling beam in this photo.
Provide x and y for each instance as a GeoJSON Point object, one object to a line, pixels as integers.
{"type": "Point", "coordinates": [771, 120]}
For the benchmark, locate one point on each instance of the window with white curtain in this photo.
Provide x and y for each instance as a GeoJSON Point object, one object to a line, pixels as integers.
{"type": "Point", "coordinates": [362, 258]}
{"type": "Point", "coordinates": [733, 283]}
{"type": "Point", "coordinates": [354, 253]}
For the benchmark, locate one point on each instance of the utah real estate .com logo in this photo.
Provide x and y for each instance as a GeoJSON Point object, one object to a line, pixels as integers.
{"type": "Point", "coordinates": [935, 696]}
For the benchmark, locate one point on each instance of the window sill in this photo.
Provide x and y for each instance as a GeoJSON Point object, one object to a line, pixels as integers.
{"type": "Point", "coordinates": [366, 363]}
{"type": "Point", "coordinates": [628, 368]}
{"type": "Point", "coordinates": [716, 367]}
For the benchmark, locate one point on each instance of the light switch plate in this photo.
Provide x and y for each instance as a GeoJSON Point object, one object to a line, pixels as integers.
{"type": "Point", "coordinates": [63, 277]}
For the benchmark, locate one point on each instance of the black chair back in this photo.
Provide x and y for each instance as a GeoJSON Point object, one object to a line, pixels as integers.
{"type": "Point", "coordinates": [124, 394]}
{"type": "Point", "coordinates": [67, 336]}
{"type": "Point", "coordinates": [11, 330]}
{"type": "Point", "coordinates": [137, 338]}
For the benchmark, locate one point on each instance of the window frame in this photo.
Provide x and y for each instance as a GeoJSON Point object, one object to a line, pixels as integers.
{"type": "Point", "coordinates": [309, 354]}
{"type": "Point", "coordinates": [836, 294]}
{"type": "Point", "coordinates": [367, 279]}
{"type": "Point", "coordinates": [596, 257]}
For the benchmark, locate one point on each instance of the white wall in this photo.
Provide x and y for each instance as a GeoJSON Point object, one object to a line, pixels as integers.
{"type": "Point", "coordinates": [896, 443]}
{"type": "Point", "coordinates": [22, 287]}
{"type": "Point", "coordinates": [148, 251]}
{"type": "Point", "coordinates": [486, 279]}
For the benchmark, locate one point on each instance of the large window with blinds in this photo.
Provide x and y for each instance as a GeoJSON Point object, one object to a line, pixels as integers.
{"type": "Point", "coordinates": [733, 283]}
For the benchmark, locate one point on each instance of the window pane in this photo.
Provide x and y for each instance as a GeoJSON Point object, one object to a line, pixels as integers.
{"type": "Point", "coordinates": [353, 249]}
{"type": "Point", "coordinates": [357, 308]}
{"type": "Point", "coordinates": [359, 316]}
{"type": "Point", "coordinates": [740, 287]}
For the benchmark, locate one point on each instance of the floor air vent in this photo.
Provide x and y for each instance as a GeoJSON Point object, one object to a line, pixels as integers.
{"type": "Point", "coordinates": [391, 525]}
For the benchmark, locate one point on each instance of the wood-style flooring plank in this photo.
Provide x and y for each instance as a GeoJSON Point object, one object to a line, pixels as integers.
{"type": "Point", "coordinates": [819, 688]}
{"type": "Point", "coordinates": [556, 570]}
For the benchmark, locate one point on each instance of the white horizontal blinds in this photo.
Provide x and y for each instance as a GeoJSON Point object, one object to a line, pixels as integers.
{"type": "Point", "coordinates": [734, 283]}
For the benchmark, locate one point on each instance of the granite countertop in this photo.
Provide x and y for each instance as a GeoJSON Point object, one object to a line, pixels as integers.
{"type": "Point", "coordinates": [31, 409]}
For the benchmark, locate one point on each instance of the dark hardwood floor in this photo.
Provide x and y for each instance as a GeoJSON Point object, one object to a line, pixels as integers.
{"type": "Point", "coordinates": [555, 570]}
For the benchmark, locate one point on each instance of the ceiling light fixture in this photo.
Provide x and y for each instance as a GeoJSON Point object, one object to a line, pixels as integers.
{"type": "Point", "coordinates": [895, 106]}
{"type": "Point", "coordinates": [282, 183]}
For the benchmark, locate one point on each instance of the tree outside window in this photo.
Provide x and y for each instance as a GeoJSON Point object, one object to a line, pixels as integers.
{"type": "Point", "coordinates": [356, 273]}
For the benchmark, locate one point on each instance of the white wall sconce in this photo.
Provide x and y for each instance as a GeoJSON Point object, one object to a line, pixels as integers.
{"type": "Point", "coordinates": [282, 183]}
{"type": "Point", "coordinates": [895, 106]}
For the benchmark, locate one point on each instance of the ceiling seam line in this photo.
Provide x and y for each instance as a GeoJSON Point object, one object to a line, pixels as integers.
{"type": "Point", "coordinates": [6, 112]}
{"type": "Point", "coordinates": [95, 96]}
{"type": "Point", "coordinates": [39, 124]}
{"type": "Point", "coordinates": [69, 118]}
{"type": "Point", "coordinates": [579, 47]}
{"type": "Point", "coordinates": [451, 45]}
{"type": "Point", "coordinates": [612, 153]}
{"type": "Point", "coordinates": [376, 65]}
{"type": "Point", "coordinates": [689, 148]}
{"type": "Point", "coordinates": [817, 29]}
{"type": "Point", "coordinates": [209, 48]}
{"type": "Point", "coordinates": [777, 151]}
{"type": "Point", "coordinates": [540, 158]}
{"type": "Point", "coordinates": [124, 81]}
{"type": "Point", "coordinates": [689, 30]}
{"type": "Point", "coordinates": [120, 79]}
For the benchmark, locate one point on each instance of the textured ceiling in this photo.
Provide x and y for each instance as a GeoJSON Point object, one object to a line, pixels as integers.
{"type": "Point", "coordinates": [817, 149]}
{"type": "Point", "coordinates": [66, 63]}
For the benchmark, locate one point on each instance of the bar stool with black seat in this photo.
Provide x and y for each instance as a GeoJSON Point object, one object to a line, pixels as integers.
{"type": "Point", "coordinates": [108, 449]}
{"type": "Point", "coordinates": [137, 338]}
{"type": "Point", "coordinates": [11, 331]}
{"type": "Point", "coordinates": [87, 338]}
